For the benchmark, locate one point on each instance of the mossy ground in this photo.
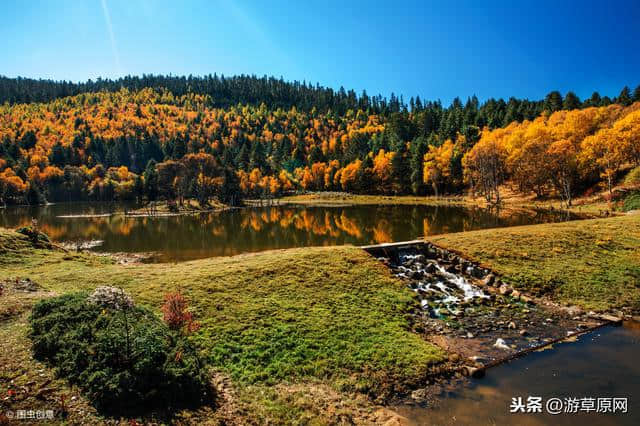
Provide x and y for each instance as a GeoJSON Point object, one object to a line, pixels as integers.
{"type": "Point", "coordinates": [594, 264]}
{"type": "Point", "coordinates": [324, 316]}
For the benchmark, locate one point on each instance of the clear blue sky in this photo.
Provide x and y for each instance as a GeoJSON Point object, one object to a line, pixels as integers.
{"type": "Point", "coordinates": [437, 50]}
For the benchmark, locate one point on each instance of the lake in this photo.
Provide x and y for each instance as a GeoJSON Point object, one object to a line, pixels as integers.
{"type": "Point", "coordinates": [252, 229]}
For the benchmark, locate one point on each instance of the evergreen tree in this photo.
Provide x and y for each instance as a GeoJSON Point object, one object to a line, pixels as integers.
{"type": "Point", "coordinates": [595, 100]}
{"type": "Point", "coordinates": [230, 191]}
{"type": "Point", "coordinates": [58, 155]}
{"type": "Point", "coordinates": [257, 158]}
{"type": "Point", "coordinates": [365, 183]}
{"type": "Point", "coordinates": [624, 97]}
{"type": "Point", "coordinates": [400, 170]}
{"type": "Point", "coordinates": [242, 159]}
{"type": "Point", "coordinates": [151, 181]}
{"type": "Point", "coordinates": [636, 94]}
{"type": "Point", "coordinates": [571, 101]}
{"type": "Point", "coordinates": [418, 150]}
{"type": "Point", "coordinates": [553, 101]}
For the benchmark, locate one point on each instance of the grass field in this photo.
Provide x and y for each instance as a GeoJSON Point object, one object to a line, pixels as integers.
{"type": "Point", "coordinates": [331, 317]}
{"type": "Point", "coordinates": [592, 263]}
{"type": "Point", "coordinates": [314, 334]}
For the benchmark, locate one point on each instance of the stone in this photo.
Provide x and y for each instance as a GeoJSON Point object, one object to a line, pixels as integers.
{"type": "Point", "coordinates": [415, 275]}
{"type": "Point", "coordinates": [419, 394]}
{"type": "Point", "coordinates": [572, 311]}
{"type": "Point", "coordinates": [430, 268]}
{"type": "Point", "coordinates": [511, 325]}
{"type": "Point", "coordinates": [504, 290]}
{"type": "Point", "coordinates": [610, 318]}
{"type": "Point", "coordinates": [489, 280]}
{"type": "Point", "coordinates": [501, 344]}
{"type": "Point", "coordinates": [477, 272]}
{"type": "Point", "coordinates": [454, 357]}
{"type": "Point", "coordinates": [524, 332]}
{"type": "Point", "coordinates": [515, 294]}
{"type": "Point", "coordinates": [470, 335]}
{"type": "Point", "coordinates": [474, 372]}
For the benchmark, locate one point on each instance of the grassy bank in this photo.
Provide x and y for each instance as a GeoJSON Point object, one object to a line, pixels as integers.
{"type": "Point", "coordinates": [331, 317]}
{"type": "Point", "coordinates": [344, 198]}
{"type": "Point", "coordinates": [587, 206]}
{"type": "Point", "coordinates": [593, 263]}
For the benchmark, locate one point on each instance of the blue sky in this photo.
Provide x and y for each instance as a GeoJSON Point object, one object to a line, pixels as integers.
{"type": "Point", "coordinates": [434, 49]}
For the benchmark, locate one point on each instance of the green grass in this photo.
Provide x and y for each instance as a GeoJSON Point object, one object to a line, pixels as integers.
{"type": "Point", "coordinates": [632, 202]}
{"type": "Point", "coordinates": [344, 198]}
{"type": "Point", "coordinates": [593, 263]}
{"type": "Point", "coordinates": [330, 314]}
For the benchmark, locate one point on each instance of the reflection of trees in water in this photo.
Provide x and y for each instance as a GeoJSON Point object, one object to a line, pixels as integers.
{"type": "Point", "coordinates": [234, 231]}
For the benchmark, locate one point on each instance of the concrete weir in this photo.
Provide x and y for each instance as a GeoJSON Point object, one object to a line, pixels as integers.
{"type": "Point", "coordinates": [471, 312]}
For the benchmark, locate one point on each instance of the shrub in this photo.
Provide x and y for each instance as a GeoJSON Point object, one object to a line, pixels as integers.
{"type": "Point", "coordinates": [632, 202]}
{"type": "Point", "coordinates": [126, 360]}
{"type": "Point", "coordinates": [176, 314]}
{"type": "Point", "coordinates": [36, 237]}
{"type": "Point", "coordinates": [633, 177]}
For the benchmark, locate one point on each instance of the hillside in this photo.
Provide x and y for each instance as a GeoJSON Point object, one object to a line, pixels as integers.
{"type": "Point", "coordinates": [153, 143]}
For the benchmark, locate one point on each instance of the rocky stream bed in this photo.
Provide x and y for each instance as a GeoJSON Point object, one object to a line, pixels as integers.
{"type": "Point", "coordinates": [470, 312]}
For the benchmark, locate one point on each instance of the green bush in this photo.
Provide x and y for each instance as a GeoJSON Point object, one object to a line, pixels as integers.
{"type": "Point", "coordinates": [632, 202]}
{"type": "Point", "coordinates": [127, 361]}
{"type": "Point", "coordinates": [34, 235]}
{"type": "Point", "coordinates": [633, 177]}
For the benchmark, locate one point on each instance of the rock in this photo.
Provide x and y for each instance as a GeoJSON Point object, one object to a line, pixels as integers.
{"type": "Point", "coordinates": [477, 272]}
{"type": "Point", "coordinates": [25, 285]}
{"type": "Point", "coordinates": [430, 268]}
{"type": "Point", "coordinates": [470, 371]}
{"type": "Point", "coordinates": [415, 275]}
{"type": "Point", "coordinates": [450, 269]}
{"type": "Point", "coordinates": [610, 318]}
{"type": "Point", "coordinates": [470, 335]}
{"type": "Point", "coordinates": [504, 290]}
{"type": "Point", "coordinates": [419, 394]}
{"type": "Point", "coordinates": [501, 344]}
{"type": "Point", "coordinates": [524, 332]}
{"type": "Point", "coordinates": [420, 258]}
{"type": "Point", "coordinates": [572, 311]}
{"type": "Point", "coordinates": [511, 325]}
{"type": "Point", "coordinates": [515, 294]}
{"type": "Point", "coordinates": [489, 280]}
{"type": "Point", "coordinates": [454, 357]}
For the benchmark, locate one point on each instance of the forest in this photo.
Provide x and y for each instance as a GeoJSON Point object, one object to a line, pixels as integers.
{"type": "Point", "coordinates": [171, 138]}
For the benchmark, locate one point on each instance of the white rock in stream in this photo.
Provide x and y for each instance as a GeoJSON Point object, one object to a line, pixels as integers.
{"type": "Point", "coordinates": [501, 344]}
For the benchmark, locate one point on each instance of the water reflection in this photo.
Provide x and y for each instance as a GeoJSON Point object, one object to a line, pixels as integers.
{"type": "Point", "coordinates": [253, 229]}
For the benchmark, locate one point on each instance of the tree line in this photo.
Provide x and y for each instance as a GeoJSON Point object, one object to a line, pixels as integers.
{"type": "Point", "coordinates": [154, 142]}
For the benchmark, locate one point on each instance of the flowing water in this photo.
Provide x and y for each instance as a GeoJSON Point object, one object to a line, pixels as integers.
{"type": "Point", "coordinates": [254, 229]}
